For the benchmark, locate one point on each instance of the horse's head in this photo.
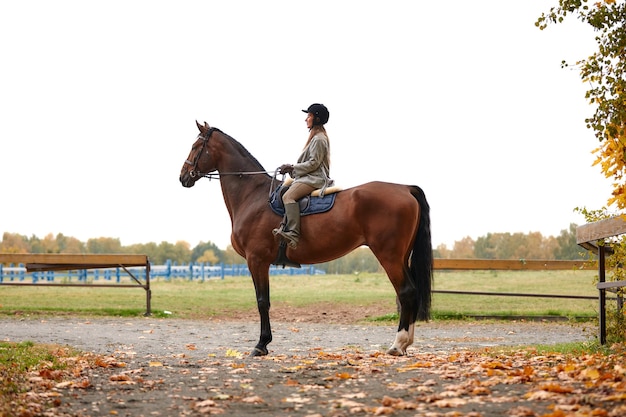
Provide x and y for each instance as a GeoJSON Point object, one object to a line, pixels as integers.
{"type": "Point", "coordinates": [199, 161]}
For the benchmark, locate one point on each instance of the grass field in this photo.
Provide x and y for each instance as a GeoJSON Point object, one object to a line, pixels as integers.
{"type": "Point", "coordinates": [185, 299]}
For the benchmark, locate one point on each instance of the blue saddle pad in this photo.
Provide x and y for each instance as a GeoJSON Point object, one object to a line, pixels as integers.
{"type": "Point", "coordinates": [308, 204]}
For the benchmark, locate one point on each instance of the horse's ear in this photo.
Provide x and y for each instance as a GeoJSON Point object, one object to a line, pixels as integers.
{"type": "Point", "coordinates": [206, 126]}
{"type": "Point", "coordinates": [199, 127]}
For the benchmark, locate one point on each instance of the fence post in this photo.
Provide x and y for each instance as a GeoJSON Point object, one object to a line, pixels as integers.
{"type": "Point", "coordinates": [168, 270]}
{"type": "Point", "coordinates": [602, 295]}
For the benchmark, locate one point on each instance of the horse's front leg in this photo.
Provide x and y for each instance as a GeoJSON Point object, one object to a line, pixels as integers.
{"type": "Point", "coordinates": [262, 287]}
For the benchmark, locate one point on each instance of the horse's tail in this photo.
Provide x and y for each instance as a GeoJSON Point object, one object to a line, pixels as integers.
{"type": "Point", "coordinates": [421, 264]}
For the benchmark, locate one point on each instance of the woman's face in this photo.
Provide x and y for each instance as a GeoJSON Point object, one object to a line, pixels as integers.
{"type": "Point", "coordinates": [309, 120]}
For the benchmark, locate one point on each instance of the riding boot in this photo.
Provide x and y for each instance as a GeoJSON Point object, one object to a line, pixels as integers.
{"type": "Point", "coordinates": [291, 231]}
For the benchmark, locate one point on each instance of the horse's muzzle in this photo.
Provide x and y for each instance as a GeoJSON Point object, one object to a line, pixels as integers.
{"type": "Point", "coordinates": [188, 180]}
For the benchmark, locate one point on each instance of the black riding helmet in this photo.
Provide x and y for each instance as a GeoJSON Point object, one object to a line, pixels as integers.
{"type": "Point", "coordinates": [320, 112]}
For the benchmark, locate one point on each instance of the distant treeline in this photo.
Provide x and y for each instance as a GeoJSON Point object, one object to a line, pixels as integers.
{"type": "Point", "coordinates": [492, 246]}
{"type": "Point", "coordinates": [516, 246]}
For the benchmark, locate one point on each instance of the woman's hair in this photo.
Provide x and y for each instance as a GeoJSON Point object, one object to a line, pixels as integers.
{"type": "Point", "coordinates": [314, 131]}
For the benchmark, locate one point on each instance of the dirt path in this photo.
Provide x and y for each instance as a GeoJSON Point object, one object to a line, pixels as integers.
{"type": "Point", "coordinates": [178, 367]}
{"type": "Point", "coordinates": [167, 336]}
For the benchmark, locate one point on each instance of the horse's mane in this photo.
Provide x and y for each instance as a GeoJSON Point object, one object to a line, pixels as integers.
{"type": "Point", "coordinates": [242, 150]}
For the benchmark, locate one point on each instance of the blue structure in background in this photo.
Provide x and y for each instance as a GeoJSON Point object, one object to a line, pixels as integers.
{"type": "Point", "coordinates": [169, 271]}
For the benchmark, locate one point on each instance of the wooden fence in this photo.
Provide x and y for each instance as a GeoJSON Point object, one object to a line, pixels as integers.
{"type": "Point", "coordinates": [108, 270]}
{"type": "Point", "coordinates": [52, 263]}
{"type": "Point", "coordinates": [592, 236]}
{"type": "Point", "coordinates": [201, 271]}
{"type": "Point", "coordinates": [510, 265]}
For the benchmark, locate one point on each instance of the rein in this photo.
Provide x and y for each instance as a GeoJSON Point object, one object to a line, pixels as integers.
{"type": "Point", "coordinates": [217, 175]}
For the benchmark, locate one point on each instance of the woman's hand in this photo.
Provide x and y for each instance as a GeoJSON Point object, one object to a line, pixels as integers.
{"type": "Point", "coordinates": [285, 169]}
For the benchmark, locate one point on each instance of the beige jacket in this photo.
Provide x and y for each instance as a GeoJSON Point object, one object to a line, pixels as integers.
{"type": "Point", "coordinates": [313, 166]}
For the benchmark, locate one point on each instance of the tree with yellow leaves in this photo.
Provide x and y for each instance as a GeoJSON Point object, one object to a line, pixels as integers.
{"type": "Point", "coordinates": [605, 72]}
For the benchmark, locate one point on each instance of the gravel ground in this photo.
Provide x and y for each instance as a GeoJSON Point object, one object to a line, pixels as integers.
{"type": "Point", "coordinates": [171, 367]}
{"type": "Point", "coordinates": [164, 336]}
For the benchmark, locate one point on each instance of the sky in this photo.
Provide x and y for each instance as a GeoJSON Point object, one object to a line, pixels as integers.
{"type": "Point", "coordinates": [468, 100]}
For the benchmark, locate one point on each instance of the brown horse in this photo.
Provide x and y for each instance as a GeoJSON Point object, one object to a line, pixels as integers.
{"type": "Point", "coordinates": [392, 219]}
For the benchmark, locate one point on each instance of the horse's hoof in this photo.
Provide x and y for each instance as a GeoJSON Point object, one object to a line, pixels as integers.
{"type": "Point", "coordinates": [395, 352]}
{"type": "Point", "coordinates": [258, 352]}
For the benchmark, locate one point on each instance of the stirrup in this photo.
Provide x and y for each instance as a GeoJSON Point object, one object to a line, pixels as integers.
{"type": "Point", "coordinates": [281, 258]}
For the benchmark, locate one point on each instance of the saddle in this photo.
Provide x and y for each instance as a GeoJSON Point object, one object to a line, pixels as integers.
{"type": "Point", "coordinates": [312, 204]}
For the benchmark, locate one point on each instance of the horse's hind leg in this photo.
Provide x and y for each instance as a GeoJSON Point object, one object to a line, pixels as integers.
{"type": "Point", "coordinates": [404, 339]}
{"type": "Point", "coordinates": [406, 326]}
{"type": "Point", "coordinates": [407, 298]}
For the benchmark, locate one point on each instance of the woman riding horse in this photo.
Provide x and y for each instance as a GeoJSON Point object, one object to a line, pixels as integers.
{"type": "Point", "coordinates": [393, 220]}
{"type": "Point", "coordinates": [310, 172]}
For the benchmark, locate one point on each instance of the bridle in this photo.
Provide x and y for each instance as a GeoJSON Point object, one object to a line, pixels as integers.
{"type": "Point", "coordinates": [194, 165]}
{"type": "Point", "coordinates": [194, 173]}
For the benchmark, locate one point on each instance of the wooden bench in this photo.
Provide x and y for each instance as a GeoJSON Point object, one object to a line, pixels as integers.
{"type": "Point", "coordinates": [591, 236]}
{"type": "Point", "coordinates": [66, 262]}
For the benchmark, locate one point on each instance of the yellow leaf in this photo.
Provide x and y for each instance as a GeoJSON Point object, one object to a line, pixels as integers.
{"type": "Point", "coordinates": [495, 365]}
{"type": "Point", "coordinates": [590, 373]}
{"type": "Point", "coordinates": [233, 353]}
{"type": "Point", "coordinates": [416, 365]}
{"type": "Point", "coordinates": [551, 387]}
